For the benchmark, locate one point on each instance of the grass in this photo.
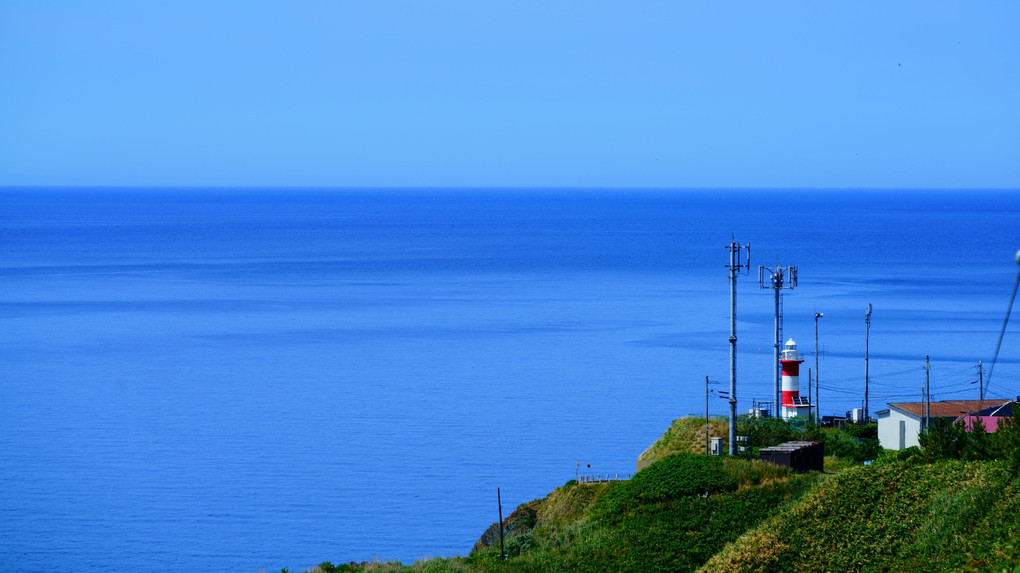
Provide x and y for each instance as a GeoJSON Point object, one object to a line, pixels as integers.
{"type": "Point", "coordinates": [671, 516]}
{"type": "Point", "coordinates": [685, 435]}
{"type": "Point", "coordinates": [688, 512]}
{"type": "Point", "coordinates": [945, 516]}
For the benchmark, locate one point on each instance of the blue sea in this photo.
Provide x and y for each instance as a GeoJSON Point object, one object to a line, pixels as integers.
{"type": "Point", "coordinates": [252, 379]}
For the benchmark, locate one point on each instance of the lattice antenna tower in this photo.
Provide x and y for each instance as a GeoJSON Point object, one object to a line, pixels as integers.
{"type": "Point", "coordinates": [737, 264]}
{"type": "Point", "coordinates": [780, 278]}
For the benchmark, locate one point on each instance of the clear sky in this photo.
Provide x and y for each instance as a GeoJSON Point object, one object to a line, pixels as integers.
{"type": "Point", "coordinates": [510, 93]}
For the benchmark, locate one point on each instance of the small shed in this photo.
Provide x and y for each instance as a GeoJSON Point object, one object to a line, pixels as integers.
{"type": "Point", "coordinates": [800, 456]}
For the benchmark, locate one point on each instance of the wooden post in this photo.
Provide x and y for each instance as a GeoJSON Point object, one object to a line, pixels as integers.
{"type": "Point", "coordinates": [707, 451]}
{"type": "Point", "coordinates": [499, 501]}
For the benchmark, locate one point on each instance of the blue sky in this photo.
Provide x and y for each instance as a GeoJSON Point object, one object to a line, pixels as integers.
{"type": "Point", "coordinates": [478, 93]}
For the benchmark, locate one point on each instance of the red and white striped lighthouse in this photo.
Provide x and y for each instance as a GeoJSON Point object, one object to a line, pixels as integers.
{"type": "Point", "coordinates": [792, 402]}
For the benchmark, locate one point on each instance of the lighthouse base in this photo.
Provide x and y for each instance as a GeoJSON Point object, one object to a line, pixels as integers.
{"type": "Point", "coordinates": [801, 409]}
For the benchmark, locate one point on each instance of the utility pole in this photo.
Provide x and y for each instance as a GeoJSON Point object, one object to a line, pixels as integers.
{"type": "Point", "coordinates": [924, 401]}
{"type": "Point", "coordinates": [776, 282]}
{"type": "Point", "coordinates": [735, 266]}
{"type": "Point", "coordinates": [927, 393]}
{"type": "Point", "coordinates": [818, 410]}
{"type": "Point", "coordinates": [981, 380]}
{"type": "Point", "coordinates": [867, 331]}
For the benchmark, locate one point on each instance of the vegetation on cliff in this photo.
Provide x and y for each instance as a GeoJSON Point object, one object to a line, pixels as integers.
{"type": "Point", "coordinates": [685, 435]}
{"type": "Point", "coordinates": [855, 443]}
{"type": "Point", "coordinates": [945, 516]}
{"type": "Point", "coordinates": [953, 505]}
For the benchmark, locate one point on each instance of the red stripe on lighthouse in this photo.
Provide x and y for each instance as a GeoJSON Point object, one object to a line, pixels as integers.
{"type": "Point", "coordinates": [791, 379]}
{"type": "Point", "coordinates": [791, 368]}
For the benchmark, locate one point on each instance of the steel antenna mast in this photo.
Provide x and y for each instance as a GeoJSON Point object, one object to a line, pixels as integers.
{"type": "Point", "coordinates": [780, 278]}
{"type": "Point", "coordinates": [867, 331]}
{"type": "Point", "coordinates": [735, 267]}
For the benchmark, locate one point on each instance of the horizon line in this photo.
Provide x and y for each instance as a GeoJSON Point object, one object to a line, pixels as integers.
{"type": "Point", "coordinates": [497, 187]}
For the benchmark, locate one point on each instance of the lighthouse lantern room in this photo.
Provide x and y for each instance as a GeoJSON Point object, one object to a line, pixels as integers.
{"type": "Point", "coordinates": [793, 404]}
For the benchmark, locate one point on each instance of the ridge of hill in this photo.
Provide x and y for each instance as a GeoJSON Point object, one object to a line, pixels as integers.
{"type": "Point", "coordinates": [685, 435]}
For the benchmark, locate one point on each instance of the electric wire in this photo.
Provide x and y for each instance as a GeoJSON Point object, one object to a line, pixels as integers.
{"type": "Point", "coordinates": [1004, 322]}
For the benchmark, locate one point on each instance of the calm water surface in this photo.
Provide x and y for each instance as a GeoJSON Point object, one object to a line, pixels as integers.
{"type": "Point", "coordinates": [229, 380]}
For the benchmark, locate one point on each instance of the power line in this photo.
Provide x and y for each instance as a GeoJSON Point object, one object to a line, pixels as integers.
{"type": "Point", "coordinates": [940, 393]}
{"type": "Point", "coordinates": [838, 390]}
{"type": "Point", "coordinates": [1004, 322]}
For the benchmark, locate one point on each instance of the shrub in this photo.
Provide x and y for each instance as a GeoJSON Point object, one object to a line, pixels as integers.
{"type": "Point", "coordinates": [674, 477]}
{"type": "Point", "coordinates": [1006, 442]}
{"type": "Point", "coordinates": [754, 472]}
{"type": "Point", "coordinates": [943, 440]}
{"type": "Point", "coordinates": [946, 439]}
{"type": "Point", "coordinates": [906, 453]}
{"type": "Point", "coordinates": [842, 445]}
{"type": "Point", "coordinates": [766, 432]}
{"type": "Point", "coordinates": [862, 431]}
{"type": "Point", "coordinates": [520, 544]}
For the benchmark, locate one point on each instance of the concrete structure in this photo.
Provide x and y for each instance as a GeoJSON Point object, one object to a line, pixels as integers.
{"type": "Point", "coordinates": [793, 404]}
{"type": "Point", "coordinates": [900, 425]}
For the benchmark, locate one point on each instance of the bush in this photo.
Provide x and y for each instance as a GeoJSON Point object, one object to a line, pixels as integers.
{"type": "Point", "coordinates": [857, 442]}
{"type": "Point", "coordinates": [910, 454]}
{"type": "Point", "coordinates": [677, 476]}
{"type": "Point", "coordinates": [766, 432]}
{"type": "Point", "coordinates": [679, 533]}
{"type": "Point", "coordinates": [862, 431]}
{"type": "Point", "coordinates": [841, 445]}
{"type": "Point", "coordinates": [943, 440]}
{"type": "Point", "coordinates": [951, 440]}
{"type": "Point", "coordinates": [520, 544]}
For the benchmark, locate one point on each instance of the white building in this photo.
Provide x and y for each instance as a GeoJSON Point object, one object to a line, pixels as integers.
{"type": "Point", "coordinates": [900, 425]}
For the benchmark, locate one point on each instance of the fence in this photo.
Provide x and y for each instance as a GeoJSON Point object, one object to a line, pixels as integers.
{"type": "Point", "coordinates": [600, 478]}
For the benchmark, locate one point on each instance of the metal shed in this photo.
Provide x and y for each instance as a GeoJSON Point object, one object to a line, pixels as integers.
{"type": "Point", "coordinates": [800, 456]}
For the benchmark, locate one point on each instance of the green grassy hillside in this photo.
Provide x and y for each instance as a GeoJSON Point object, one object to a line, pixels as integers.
{"type": "Point", "coordinates": [946, 516]}
{"type": "Point", "coordinates": [672, 516]}
{"type": "Point", "coordinates": [910, 512]}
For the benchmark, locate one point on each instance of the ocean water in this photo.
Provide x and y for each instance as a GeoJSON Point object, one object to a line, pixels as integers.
{"type": "Point", "coordinates": [247, 379]}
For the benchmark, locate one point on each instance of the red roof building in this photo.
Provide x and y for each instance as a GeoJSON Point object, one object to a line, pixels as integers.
{"type": "Point", "coordinates": [900, 425]}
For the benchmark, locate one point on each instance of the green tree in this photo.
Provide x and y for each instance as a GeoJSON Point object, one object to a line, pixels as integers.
{"type": "Point", "coordinates": [1005, 442]}
{"type": "Point", "coordinates": [979, 444]}
{"type": "Point", "coordinates": [944, 439]}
